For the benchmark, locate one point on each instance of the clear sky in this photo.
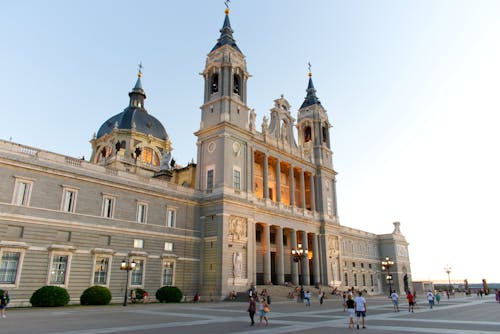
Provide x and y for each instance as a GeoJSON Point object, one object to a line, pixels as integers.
{"type": "Point", "coordinates": [411, 88]}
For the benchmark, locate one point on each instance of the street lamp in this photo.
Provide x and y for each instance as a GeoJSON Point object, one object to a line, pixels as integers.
{"type": "Point", "coordinates": [127, 265]}
{"type": "Point", "coordinates": [447, 270]}
{"type": "Point", "coordinates": [387, 263]}
{"type": "Point", "coordinates": [298, 254]}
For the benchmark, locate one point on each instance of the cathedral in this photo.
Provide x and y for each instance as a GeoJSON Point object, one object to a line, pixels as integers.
{"type": "Point", "coordinates": [257, 207]}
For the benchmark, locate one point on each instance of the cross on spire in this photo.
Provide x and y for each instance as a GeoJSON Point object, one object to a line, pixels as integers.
{"type": "Point", "coordinates": [139, 74]}
{"type": "Point", "coordinates": [226, 2]}
{"type": "Point", "coordinates": [309, 67]}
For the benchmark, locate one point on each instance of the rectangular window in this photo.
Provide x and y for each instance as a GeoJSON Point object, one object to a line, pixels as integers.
{"type": "Point", "coordinates": [364, 280]}
{"type": "Point", "coordinates": [69, 200]}
{"type": "Point", "coordinates": [9, 267]}
{"type": "Point", "coordinates": [169, 246]}
{"type": "Point", "coordinates": [346, 279]}
{"type": "Point", "coordinates": [362, 265]}
{"type": "Point", "coordinates": [167, 273]}
{"type": "Point", "coordinates": [371, 279]}
{"type": "Point", "coordinates": [101, 268]}
{"type": "Point", "coordinates": [355, 280]}
{"type": "Point", "coordinates": [354, 264]}
{"type": "Point", "coordinates": [210, 179]}
{"type": "Point", "coordinates": [370, 265]}
{"type": "Point", "coordinates": [236, 179]}
{"type": "Point", "coordinates": [142, 211]}
{"type": "Point", "coordinates": [136, 276]}
{"type": "Point", "coordinates": [171, 217]}
{"type": "Point", "coordinates": [59, 269]}
{"type": "Point", "coordinates": [138, 243]}
{"type": "Point", "coordinates": [108, 206]}
{"type": "Point", "coordinates": [22, 192]}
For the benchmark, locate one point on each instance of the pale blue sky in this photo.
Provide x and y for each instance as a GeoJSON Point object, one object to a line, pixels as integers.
{"type": "Point", "coordinates": [411, 88]}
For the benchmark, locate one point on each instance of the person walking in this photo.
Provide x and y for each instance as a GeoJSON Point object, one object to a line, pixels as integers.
{"type": "Point", "coordinates": [430, 299]}
{"type": "Point", "coordinates": [350, 310]}
{"type": "Point", "coordinates": [4, 300]}
{"type": "Point", "coordinates": [411, 301]}
{"type": "Point", "coordinates": [252, 308]}
{"type": "Point", "coordinates": [360, 304]}
{"type": "Point", "coordinates": [264, 311]}
{"type": "Point", "coordinates": [438, 297]}
{"type": "Point", "coordinates": [395, 300]}
{"type": "Point", "coordinates": [307, 297]}
{"type": "Point", "coordinates": [321, 296]}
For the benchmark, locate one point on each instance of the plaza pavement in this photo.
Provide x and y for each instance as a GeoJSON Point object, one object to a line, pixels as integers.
{"type": "Point", "coordinates": [462, 315]}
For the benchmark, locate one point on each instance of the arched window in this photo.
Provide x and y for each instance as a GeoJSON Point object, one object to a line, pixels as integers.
{"type": "Point", "coordinates": [214, 83]}
{"type": "Point", "coordinates": [148, 156]}
{"type": "Point", "coordinates": [236, 84]}
{"type": "Point", "coordinates": [307, 134]}
{"type": "Point", "coordinates": [325, 134]}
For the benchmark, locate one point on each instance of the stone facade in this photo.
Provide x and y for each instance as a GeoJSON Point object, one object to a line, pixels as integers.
{"type": "Point", "coordinates": [226, 222]}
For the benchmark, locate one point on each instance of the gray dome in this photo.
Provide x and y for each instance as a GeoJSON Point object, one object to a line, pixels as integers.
{"type": "Point", "coordinates": [144, 123]}
{"type": "Point", "coordinates": [135, 116]}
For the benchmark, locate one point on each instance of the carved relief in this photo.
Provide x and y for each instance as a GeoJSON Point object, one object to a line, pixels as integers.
{"type": "Point", "coordinates": [333, 246]}
{"type": "Point", "coordinates": [237, 228]}
{"type": "Point", "coordinates": [237, 264]}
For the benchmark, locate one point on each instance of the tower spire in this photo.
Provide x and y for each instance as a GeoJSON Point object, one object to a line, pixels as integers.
{"type": "Point", "coordinates": [137, 95]}
{"type": "Point", "coordinates": [311, 97]}
{"type": "Point", "coordinates": [226, 33]}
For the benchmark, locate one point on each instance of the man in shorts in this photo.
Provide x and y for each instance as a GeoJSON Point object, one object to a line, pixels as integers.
{"type": "Point", "coordinates": [360, 309]}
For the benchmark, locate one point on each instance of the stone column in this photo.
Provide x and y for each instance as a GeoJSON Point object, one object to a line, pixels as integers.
{"type": "Point", "coordinates": [302, 189]}
{"type": "Point", "coordinates": [264, 177]}
{"type": "Point", "coordinates": [292, 187]}
{"type": "Point", "coordinates": [251, 172]}
{"type": "Point", "coordinates": [280, 263]}
{"type": "Point", "coordinates": [266, 245]}
{"type": "Point", "coordinates": [315, 260]}
{"type": "Point", "coordinates": [278, 181]}
{"type": "Point", "coordinates": [295, 265]}
{"type": "Point", "coordinates": [305, 261]}
{"type": "Point", "coordinates": [313, 197]}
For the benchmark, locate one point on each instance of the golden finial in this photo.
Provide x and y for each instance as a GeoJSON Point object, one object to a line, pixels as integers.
{"type": "Point", "coordinates": [139, 74]}
{"type": "Point", "coordinates": [226, 2]}
{"type": "Point", "coordinates": [310, 73]}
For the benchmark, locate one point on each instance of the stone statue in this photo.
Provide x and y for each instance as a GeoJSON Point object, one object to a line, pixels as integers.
{"type": "Point", "coordinates": [165, 161]}
{"type": "Point", "coordinates": [237, 264]}
{"type": "Point", "coordinates": [264, 125]}
{"type": "Point", "coordinates": [252, 120]}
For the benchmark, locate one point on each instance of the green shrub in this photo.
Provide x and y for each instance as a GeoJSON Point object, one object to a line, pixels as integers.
{"type": "Point", "coordinates": [49, 296]}
{"type": "Point", "coordinates": [96, 295]}
{"type": "Point", "coordinates": [169, 294]}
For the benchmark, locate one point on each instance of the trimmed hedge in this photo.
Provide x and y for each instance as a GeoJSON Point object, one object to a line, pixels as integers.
{"type": "Point", "coordinates": [49, 296]}
{"type": "Point", "coordinates": [169, 294]}
{"type": "Point", "coordinates": [96, 295]}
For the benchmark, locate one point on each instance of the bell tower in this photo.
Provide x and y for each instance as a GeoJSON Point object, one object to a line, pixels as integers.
{"type": "Point", "coordinates": [225, 77]}
{"type": "Point", "coordinates": [314, 137]}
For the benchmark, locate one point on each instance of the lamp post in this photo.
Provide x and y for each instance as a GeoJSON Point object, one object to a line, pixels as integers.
{"type": "Point", "coordinates": [387, 263]}
{"type": "Point", "coordinates": [447, 270]}
{"type": "Point", "coordinates": [297, 255]}
{"type": "Point", "coordinates": [127, 265]}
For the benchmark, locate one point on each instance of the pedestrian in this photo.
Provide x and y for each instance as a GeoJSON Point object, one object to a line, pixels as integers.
{"type": "Point", "coordinates": [321, 297]}
{"type": "Point", "coordinates": [344, 295]}
{"type": "Point", "coordinates": [4, 300]}
{"type": "Point", "coordinates": [498, 295]}
{"type": "Point", "coordinates": [430, 299]}
{"type": "Point", "coordinates": [350, 310]}
{"type": "Point", "coordinates": [411, 301]}
{"type": "Point", "coordinates": [196, 297]}
{"type": "Point", "coordinates": [264, 311]}
{"type": "Point", "coordinates": [307, 297]}
{"type": "Point", "coordinates": [438, 297]}
{"type": "Point", "coordinates": [252, 307]}
{"type": "Point", "coordinates": [360, 304]}
{"type": "Point", "coordinates": [395, 300]}
{"type": "Point", "coordinates": [145, 297]}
